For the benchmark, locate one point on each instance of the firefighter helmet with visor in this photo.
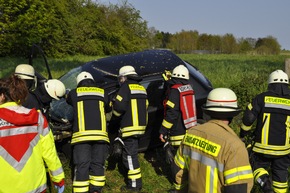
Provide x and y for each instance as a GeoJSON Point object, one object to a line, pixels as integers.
{"type": "Point", "coordinates": [84, 76]}
{"type": "Point", "coordinates": [55, 88]}
{"type": "Point", "coordinates": [278, 76]}
{"type": "Point", "coordinates": [180, 71]}
{"type": "Point", "coordinates": [222, 104]}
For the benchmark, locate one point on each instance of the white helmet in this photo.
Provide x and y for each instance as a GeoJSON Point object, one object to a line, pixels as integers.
{"type": "Point", "coordinates": [127, 70]}
{"type": "Point", "coordinates": [221, 103]}
{"type": "Point", "coordinates": [278, 76]}
{"type": "Point", "coordinates": [55, 88]}
{"type": "Point", "coordinates": [25, 71]}
{"type": "Point", "coordinates": [180, 71]}
{"type": "Point", "coordinates": [83, 76]}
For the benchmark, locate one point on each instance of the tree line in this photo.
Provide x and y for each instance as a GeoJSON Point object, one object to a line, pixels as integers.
{"type": "Point", "coordinates": [70, 27]}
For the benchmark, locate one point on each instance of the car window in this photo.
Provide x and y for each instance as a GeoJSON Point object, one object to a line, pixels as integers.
{"type": "Point", "coordinates": [155, 92]}
{"type": "Point", "coordinates": [69, 79]}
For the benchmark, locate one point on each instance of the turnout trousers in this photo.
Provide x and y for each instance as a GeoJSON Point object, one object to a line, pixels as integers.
{"type": "Point", "coordinates": [279, 169]}
{"type": "Point", "coordinates": [89, 166]}
{"type": "Point", "coordinates": [131, 162]}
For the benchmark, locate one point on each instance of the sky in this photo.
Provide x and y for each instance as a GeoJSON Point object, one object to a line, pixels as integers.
{"type": "Point", "coordinates": [242, 18]}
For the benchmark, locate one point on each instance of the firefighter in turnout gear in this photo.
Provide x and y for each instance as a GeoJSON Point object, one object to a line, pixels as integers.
{"type": "Point", "coordinates": [271, 113]}
{"type": "Point", "coordinates": [90, 137]}
{"type": "Point", "coordinates": [179, 111]}
{"type": "Point", "coordinates": [26, 143]}
{"type": "Point", "coordinates": [130, 107]}
{"type": "Point", "coordinates": [211, 157]}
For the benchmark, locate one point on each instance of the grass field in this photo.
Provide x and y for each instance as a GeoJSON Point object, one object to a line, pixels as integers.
{"type": "Point", "coordinates": [246, 75]}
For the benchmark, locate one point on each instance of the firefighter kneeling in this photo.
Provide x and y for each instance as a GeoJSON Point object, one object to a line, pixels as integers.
{"type": "Point", "coordinates": [211, 157]}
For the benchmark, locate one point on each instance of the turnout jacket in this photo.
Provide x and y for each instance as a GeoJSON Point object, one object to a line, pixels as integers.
{"type": "Point", "coordinates": [180, 112]}
{"type": "Point", "coordinates": [90, 104]}
{"type": "Point", "coordinates": [212, 158]}
{"type": "Point", "coordinates": [131, 106]}
{"type": "Point", "coordinates": [272, 112]}
{"type": "Point", "coordinates": [26, 142]}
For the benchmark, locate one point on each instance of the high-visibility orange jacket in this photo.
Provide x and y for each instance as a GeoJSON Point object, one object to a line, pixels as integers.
{"type": "Point", "coordinates": [26, 142]}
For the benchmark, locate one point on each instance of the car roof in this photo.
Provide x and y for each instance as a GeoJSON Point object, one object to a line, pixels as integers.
{"type": "Point", "coordinates": [146, 63]}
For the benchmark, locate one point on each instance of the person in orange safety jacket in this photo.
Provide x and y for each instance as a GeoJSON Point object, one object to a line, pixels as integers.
{"type": "Point", "coordinates": [26, 143]}
{"type": "Point", "coordinates": [211, 157]}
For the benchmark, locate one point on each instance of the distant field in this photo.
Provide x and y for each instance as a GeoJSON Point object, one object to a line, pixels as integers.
{"type": "Point", "coordinates": [246, 75]}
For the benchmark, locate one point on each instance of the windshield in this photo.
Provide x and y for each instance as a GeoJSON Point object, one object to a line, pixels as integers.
{"type": "Point", "coordinates": [69, 79]}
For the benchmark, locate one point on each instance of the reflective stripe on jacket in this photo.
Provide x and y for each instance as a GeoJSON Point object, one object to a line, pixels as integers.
{"type": "Point", "coordinates": [210, 157]}
{"type": "Point", "coordinates": [89, 105]}
{"type": "Point", "coordinates": [131, 104]}
{"type": "Point", "coordinates": [272, 131]}
{"type": "Point", "coordinates": [187, 104]}
{"type": "Point", "coordinates": [25, 143]}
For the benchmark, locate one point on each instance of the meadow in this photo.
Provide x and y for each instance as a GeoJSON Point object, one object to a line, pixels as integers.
{"type": "Point", "coordinates": [246, 74]}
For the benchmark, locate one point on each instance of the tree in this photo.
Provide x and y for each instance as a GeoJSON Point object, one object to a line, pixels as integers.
{"type": "Point", "coordinates": [268, 45]}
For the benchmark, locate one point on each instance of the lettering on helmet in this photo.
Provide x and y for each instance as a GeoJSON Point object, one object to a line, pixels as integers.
{"type": "Point", "coordinates": [202, 144]}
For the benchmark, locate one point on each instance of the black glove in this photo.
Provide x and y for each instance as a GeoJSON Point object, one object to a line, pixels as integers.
{"type": "Point", "coordinates": [169, 156]}
{"type": "Point", "coordinates": [244, 133]}
{"type": "Point", "coordinates": [117, 148]}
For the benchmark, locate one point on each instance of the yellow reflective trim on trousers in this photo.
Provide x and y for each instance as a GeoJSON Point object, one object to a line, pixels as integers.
{"type": "Point", "coordinates": [265, 129]}
{"type": "Point", "coordinates": [134, 109]}
{"type": "Point", "coordinates": [280, 187]}
{"type": "Point", "coordinates": [134, 174]}
{"type": "Point", "coordinates": [119, 98]}
{"type": "Point", "coordinates": [81, 183]}
{"type": "Point", "coordinates": [103, 116]}
{"type": "Point", "coordinates": [81, 121]}
{"type": "Point", "coordinates": [170, 104]}
{"type": "Point", "coordinates": [235, 174]}
{"type": "Point", "coordinates": [97, 180]}
{"type": "Point", "coordinates": [83, 189]}
{"type": "Point", "coordinates": [166, 124]}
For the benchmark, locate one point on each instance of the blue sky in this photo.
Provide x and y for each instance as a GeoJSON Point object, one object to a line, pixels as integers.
{"type": "Point", "coordinates": [242, 18]}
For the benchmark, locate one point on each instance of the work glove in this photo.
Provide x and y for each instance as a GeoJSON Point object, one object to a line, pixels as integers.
{"type": "Point", "coordinates": [117, 149]}
{"type": "Point", "coordinates": [169, 156]}
{"type": "Point", "coordinates": [166, 75]}
{"type": "Point", "coordinates": [59, 189]}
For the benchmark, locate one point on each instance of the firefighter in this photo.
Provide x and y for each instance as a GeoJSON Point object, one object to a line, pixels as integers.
{"type": "Point", "coordinates": [26, 142]}
{"type": "Point", "coordinates": [90, 137]}
{"type": "Point", "coordinates": [211, 157]}
{"type": "Point", "coordinates": [179, 111]}
{"type": "Point", "coordinates": [27, 73]}
{"type": "Point", "coordinates": [271, 113]}
{"type": "Point", "coordinates": [130, 107]}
